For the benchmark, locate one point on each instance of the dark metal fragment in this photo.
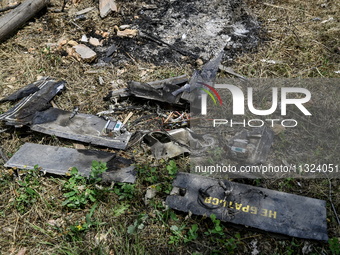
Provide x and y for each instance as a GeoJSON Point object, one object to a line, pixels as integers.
{"type": "Point", "coordinates": [251, 206]}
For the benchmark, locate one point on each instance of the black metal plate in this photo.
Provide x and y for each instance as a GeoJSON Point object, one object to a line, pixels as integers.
{"type": "Point", "coordinates": [265, 209]}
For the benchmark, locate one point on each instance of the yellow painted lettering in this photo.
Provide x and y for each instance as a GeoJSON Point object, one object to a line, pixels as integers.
{"type": "Point", "coordinates": [238, 206]}
{"type": "Point", "coordinates": [264, 212]}
{"type": "Point", "coordinates": [215, 203]}
{"type": "Point", "coordinates": [207, 200]}
{"type": "Point", "coordinates": [253, 210]}
{"type": "Point", "coordinates": [272, 214]}
{"type": "Point", "coordinates": [246, 208]}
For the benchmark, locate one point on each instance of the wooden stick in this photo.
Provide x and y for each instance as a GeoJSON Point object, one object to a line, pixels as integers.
{"type": "Point", "coordinates": [10, 22]}
{"type": "Point", "coordinates": [127, 118]}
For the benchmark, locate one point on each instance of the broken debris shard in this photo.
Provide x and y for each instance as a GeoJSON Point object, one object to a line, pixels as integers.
{"type": "Point", "coordinates": [106, 7]}
{"type": "Point", "coordinates": [176, 142]}
{"type": "Point", "coordinates": [260, 208]}
{"type": "Point", "coordinates": [82, 127]}
{"type": "Point", "coordinates": [23, 112]}
{"type": "Point", "coordinates": [57, 160]}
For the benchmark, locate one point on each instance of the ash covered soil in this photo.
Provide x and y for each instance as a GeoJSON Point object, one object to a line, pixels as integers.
{"type": "Point", "coordinates": [183, 31]}
{"type": "Point", "coordinates": [201, 29]}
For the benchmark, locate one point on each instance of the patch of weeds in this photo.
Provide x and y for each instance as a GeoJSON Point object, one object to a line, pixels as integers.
{"type": "Point", "coordinates": [216, 154]}
{"type": "Point", "coordinates": [231, 243]}
{"type": "Point", "coordinates": [50, 56]}
{"type": "Point", "coordinates": [287, 183]}
{"type": "Point", "coordinates": [119, 210]}
{"type": "Point", "coordinates": [149, 173]}
{"type": "Point", "coordinates": [79, 190]}
{"type": "Point", "coordinates": [218, 236]}
{"type": "Point", "coordinates": [192, 234]}
{"type": "Point", "coordinates": [218, 228]}
{"type": "Point", "coordinates": [138, 224]}
{"type": "Point", "coordinates": [334, 245]}
{"type": "Point", "coordinates": [76, 231]}
{"type": "Point", "coordinates": [26, 193]}
{"type": "Point", "coordinates": [167, 187]}
{"type": "Point", "coordinates": [173, 216]}
{"type": "Point", "coordinates": [125, 190]}
{"type": "Point", "coordinates": [177, 236]}
{"type": "Point", "coordinates": [172, 168]}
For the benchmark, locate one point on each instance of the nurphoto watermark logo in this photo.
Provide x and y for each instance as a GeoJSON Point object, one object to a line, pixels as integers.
{"type": "Point", "coordinates": [239, 100]}
{"type": "Point", "coordinates": [265, 128]}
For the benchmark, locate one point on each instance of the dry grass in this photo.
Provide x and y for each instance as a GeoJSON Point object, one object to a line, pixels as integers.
{"type": "Point", "coordinates": [300, 47]}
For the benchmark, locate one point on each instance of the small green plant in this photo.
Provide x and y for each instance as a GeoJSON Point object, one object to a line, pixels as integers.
{"type": "Point", "coordinates": [177, 236]}
{"type": "Point", "coordinates": [173, 216]}
{"type": "Point", "coordinates": [231, 243]}
{"type": "Point", "coordinates": [172, 168]}
{"type": "Point", "coordinates": [218, 228]}
{"type": "Point", "coordinates": [217, 231]}
{"type": "Point", "coordinates": [334, 245]}
{"type": "Point", "coordinates": [149, 173]}
{"type": "Point", "coordinates": [75, 231]}
{"type": "Point", "coordinates": [79, 190]}
{"type": "Point", "coordinates": [125, 190]}
{"type": "Point", "coordinates": [192, 234]}
{"type": "Point", "coordinates": [119, 210]}
{"type": "Point", "coordinates": [97, 168]}
{"type": "Point", "coordinates": [138, 224]}
{"type": "Point", "coordinates": [26, 193]}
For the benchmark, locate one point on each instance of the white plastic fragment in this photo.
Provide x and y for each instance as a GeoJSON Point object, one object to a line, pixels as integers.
{"type": "Point", "coordinates": [84, 38]}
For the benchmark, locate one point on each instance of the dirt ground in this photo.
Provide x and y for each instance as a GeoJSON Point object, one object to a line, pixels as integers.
{"type": "Point", "coordinates": [295, 39]}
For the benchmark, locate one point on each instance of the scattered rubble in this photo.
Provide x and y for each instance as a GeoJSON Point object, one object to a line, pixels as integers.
{"type": "Point", "coordinates": [84, 53]}
{"type": "Point", "coordinates": [72, 43]}
{"type": "Point", "coordinates": [254, 146]}
{"type": "Point", "coordinates": [127, 33]}
{"type": "Point", "coordinates": [84, 39]}
{"type": "Point", "coordinates": [106, 7]}
{"type": "Point", "coordinates": [95, 42]}
{"type": "Point", "coordinates": [152, 86]}
{"type": "Point", "coordinates": [151, 192]}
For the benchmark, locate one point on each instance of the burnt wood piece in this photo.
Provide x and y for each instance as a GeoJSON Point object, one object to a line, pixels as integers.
{"type": "Point", "coordinates": [10, 22]}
